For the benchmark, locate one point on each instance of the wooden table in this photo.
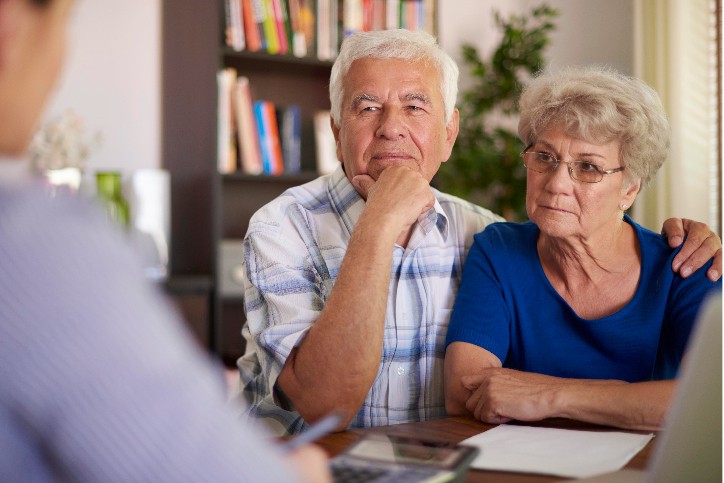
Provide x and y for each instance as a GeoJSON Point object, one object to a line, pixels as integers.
{"type": "Point", "coordinates": [460, 428]}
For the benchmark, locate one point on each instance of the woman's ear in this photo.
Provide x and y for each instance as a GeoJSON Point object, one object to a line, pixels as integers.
{"type": "Point", "coordinates": [629, 194]}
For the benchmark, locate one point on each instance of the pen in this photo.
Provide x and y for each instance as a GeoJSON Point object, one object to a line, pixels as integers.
{"type": "Point", "coordinates": [315, 431]}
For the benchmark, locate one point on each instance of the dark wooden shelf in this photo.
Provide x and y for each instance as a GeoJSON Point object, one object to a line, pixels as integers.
{"type": "Point", "coordinates": [188, 284]}
{"type": "Point", "coordinates": [232, 299]}
{"type": "Point", "coordinates": [301, 177]}
{"type": "Point", "coordinates": [284, 59]}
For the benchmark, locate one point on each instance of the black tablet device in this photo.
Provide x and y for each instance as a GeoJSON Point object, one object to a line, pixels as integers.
{"type": "Point", "coordinates": [377, 457]}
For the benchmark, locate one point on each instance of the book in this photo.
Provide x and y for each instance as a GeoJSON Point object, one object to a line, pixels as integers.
{"type": "Point", "coordinates": [411, 14]}
{"type": "Point", "coordinates": [297, 34]}
{"type": "Point", "coordinates": [353, 16]}
{"type": "Point", "coordinates": [291, 138]}
{"type": "Point", "coordinates": [268, 134]}
{"type": "Point", "coordinates": [228, 29]}
{"type": "Point", "coordinates": [428, 21]}
{"type": "Point", "coordinates": [327, 29]}
{"type": "Point", "coordinates": [326, 146]}
{"type": "Point", "coordinates": [234, 32]}
{"type": "Point", "coordinates": [277, 160]}
{"type": "Point", "coordinates": [238, 22]}
{"type": "Point", "coordinates": [259, 13]}
{"type": "Point", "coordinates": [323, 35]}
{"type": "Point", "coordinates": [286, 12]}
{"type": "Point", "coordinates": [247, 136]}
{"type": "Point", "coordinates": [334, 28]}
{"type": "Point", "coordinates": [226, 139]}
{"type": "Point", "coordinates": [377, 15]}
{"type": "Point", "coordinates": [307, 26]}
{"type": "Point", "coordinates": [269, 26]}
{"type": "Point", "coordinates": [281, 28]}
{"type": "Point", "coordinates": [251, 29]}
{"type": "Point", "coordinates": [392, 14]}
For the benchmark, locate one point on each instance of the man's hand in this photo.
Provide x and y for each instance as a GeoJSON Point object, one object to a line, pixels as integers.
{"type": "Point", "coordinates": [701, 245]}
{"type": "Point", "coordinates": [310, 463]}
{"type": "Point", "coordinates": [399, 192]}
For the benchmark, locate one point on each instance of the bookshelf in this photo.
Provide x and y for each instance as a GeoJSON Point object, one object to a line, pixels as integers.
{"type": "Point", "coordinates": [209, 207]}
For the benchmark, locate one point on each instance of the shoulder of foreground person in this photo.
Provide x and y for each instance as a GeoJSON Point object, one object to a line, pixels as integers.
{"type": "Point", "coordinates": [96, 367]}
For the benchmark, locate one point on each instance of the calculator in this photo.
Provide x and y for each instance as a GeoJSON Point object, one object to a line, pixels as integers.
{"type": "Point", "coordinates": [383, 458]}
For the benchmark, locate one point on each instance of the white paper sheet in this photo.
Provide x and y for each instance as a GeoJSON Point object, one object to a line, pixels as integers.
{"type": "Point", "coordinates": [560, 452]}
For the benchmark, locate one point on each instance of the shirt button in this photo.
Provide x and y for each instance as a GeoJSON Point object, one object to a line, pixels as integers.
{"type": "Point", "coordinates": [400, 371]}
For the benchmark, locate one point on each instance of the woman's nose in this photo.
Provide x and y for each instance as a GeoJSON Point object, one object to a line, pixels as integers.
{"type": "Point", "coordinates": [560, 178]}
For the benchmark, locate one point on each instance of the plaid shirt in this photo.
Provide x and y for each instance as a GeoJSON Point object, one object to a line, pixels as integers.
{"type": "Point", "coordinates": [293, 250]}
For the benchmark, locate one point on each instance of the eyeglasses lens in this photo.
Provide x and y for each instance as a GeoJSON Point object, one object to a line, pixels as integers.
{"type": "Point", "coordinates": [544, 163]}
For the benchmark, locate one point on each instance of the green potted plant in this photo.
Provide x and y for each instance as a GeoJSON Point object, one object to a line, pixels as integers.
{"type": "Point", "coordinates": [485, 167]}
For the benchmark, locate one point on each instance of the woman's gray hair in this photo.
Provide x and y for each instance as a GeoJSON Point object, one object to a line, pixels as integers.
{"type": "Point", "coordinates": [599, 105]}
{"type": "Point", "coordinates": [394, 44]}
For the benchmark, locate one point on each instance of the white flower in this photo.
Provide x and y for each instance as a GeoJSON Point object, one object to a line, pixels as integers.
{"type": "Point", "coordinates": [61, 143]}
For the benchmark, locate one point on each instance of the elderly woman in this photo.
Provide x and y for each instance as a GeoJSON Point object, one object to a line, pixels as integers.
{"type": "Point", "coordinates": [577, 312]}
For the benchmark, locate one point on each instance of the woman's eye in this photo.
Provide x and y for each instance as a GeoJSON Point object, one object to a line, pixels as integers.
{"type": "Point", "coordinates": [588, 167]}
{"type": "Point", "coordinates": [546, 157]}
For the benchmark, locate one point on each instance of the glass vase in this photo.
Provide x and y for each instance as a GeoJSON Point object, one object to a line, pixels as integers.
{"type": "Point", "coordinates": [110, 193]}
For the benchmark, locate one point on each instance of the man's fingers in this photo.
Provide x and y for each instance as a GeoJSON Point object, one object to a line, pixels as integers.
{"type": "Point", "coordinates": [714, 272]}
{"type": "Point", "coordinates": [690, 259]}
{"type": "Point", "coordinates": [674, 230]}
{"type": "Point", "coordinates": [363, 183]}
{"type": "Point", "coordinates": [700, 245]}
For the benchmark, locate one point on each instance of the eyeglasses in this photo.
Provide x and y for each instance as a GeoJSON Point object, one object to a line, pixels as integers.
{"type": "Point", "coordinates": [579, 170]}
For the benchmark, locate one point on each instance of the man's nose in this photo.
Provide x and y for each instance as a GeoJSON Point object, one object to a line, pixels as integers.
{"type": "Point", "coordinates": [392, 124]}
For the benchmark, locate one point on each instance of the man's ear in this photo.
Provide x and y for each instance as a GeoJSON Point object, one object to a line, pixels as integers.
{"type": "Point", "coordinates": [451, 133]}
{"type": "Point", "coordinates": [335, 131]}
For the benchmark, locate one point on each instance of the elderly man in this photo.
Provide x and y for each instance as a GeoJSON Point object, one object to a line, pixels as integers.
{"type": "Point", "coordinates": [350, 279]}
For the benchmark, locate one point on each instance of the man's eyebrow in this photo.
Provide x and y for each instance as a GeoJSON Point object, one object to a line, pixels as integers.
{"type": "Point", "coordinates": [417, 96]}
{"type": "Point", "coordinates": [359, 99]}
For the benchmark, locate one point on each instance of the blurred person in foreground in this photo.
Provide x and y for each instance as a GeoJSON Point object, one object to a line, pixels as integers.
{"type": "Point", "coordinates": [350, 278]}
{"type": "Point", "coordinates": [99, 380]}
{"type": "Point", "coordinates": [576, 313]}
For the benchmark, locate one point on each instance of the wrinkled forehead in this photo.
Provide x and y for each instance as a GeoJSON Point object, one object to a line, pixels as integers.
{"type": "Point", "coordinates": [371, 75]}
{"type": "Point", "coordinates": [576, 125]}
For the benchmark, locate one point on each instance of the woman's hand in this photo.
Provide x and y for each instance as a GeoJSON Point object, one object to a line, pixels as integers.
{"type": "Point", "coordinates": [500, 395]}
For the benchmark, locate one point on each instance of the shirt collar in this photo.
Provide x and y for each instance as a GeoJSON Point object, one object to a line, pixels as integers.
{"type": "Point", "coordinates": [349, 205]}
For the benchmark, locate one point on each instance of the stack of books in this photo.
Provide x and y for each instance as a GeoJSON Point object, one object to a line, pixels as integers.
{"type": "Point", "coordinates": [315, 28]}
{"type": "Point", "coordinates": [255, 137]}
